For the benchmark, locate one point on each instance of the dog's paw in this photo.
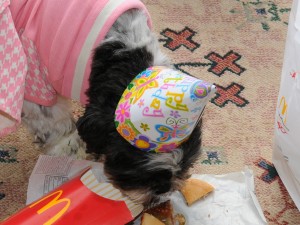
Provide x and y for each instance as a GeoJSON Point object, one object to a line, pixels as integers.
{"type": "Point", "coordinates": [70, 145]}
{"type": "Point", "coordinates": [40, 140]}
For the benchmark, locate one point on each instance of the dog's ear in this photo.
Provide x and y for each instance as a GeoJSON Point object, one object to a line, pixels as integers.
{"type": "Point", "coordinates": [103, 95]}
{"type": "Point", "coordinates": [191, 150]}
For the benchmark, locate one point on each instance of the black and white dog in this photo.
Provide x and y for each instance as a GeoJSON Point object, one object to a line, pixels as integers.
{"type": "Point", "coordinates": [128, 48]}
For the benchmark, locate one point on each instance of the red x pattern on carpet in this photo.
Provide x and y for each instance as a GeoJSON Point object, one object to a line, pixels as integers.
{"type": "Point", "coordinates": [226, 63]}
{"type": "Point", "coordinates": [175, 40]}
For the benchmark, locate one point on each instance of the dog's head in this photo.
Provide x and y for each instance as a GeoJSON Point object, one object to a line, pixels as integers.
{"type": "Point", "coordinates": [143, 176]}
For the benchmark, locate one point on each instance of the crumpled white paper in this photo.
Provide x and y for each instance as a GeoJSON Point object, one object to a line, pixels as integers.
{"type": "Point", "coordinates": [233, 202]}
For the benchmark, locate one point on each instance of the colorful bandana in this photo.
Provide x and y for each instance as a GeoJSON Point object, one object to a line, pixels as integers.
{"type": "Point", "coordinates": [160, 108]}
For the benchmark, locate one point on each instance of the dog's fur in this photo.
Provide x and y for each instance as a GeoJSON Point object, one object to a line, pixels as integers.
{"type": "Point", "coordinates": [129, 48]}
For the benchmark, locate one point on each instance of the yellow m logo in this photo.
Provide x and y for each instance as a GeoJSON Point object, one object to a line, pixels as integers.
{"type": "Point", "coordinates": [283, 105]}
{"type": "Point", "coordinates": [52, 203]}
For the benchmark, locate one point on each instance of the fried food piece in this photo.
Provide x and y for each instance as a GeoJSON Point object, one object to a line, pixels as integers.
{"type": "Point", "coordinates": [148, 219]}
{"type": "Point", "coordinates": [195, 189]}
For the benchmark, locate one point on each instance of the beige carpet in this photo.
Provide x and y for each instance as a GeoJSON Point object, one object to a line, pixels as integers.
{"type": "Point", "coordinates": [236, 44]}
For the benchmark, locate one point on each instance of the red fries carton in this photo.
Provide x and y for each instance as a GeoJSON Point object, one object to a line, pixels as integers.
{"type": "Point", "coordinates": [80, 201]}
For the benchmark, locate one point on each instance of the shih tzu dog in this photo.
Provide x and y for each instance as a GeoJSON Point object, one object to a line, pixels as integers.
{"type": "Point", "coordinates": [144, 166]}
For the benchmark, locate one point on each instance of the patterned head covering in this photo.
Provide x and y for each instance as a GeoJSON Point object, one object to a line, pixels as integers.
{"type": "Point", "coordinates": [160, 108]}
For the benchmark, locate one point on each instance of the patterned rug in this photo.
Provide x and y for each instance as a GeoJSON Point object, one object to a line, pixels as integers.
{"type": "Point", "coordinates": [236, 44]}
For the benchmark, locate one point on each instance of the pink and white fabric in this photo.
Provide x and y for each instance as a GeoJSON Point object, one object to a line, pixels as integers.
{"type": "Point", "coordinates": [46, 49]}
{"type": "Point", "coordinates": [13, 68]}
